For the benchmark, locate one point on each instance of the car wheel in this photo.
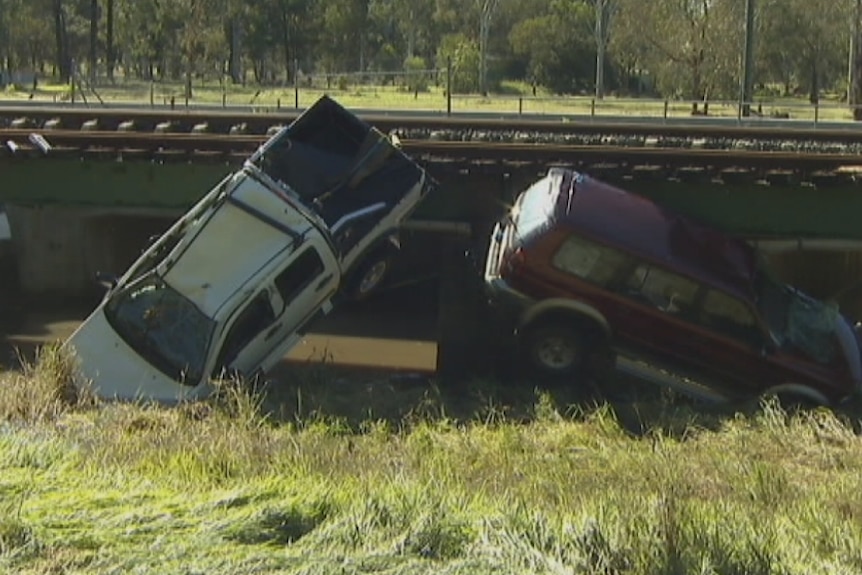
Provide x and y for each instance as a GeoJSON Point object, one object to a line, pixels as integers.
{"type": "Point", "coordinates": [370, 275]}
{"type": "Point", "coordinates": [555, 349]}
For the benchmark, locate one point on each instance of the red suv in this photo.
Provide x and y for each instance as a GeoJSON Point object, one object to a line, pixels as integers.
{"type": "Point", "coordinates": [590, 276]}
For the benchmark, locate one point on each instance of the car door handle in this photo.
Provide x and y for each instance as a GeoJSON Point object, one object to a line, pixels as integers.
{"type": "Point", "coordinates": [323, 283]}
{"type": "Point", "coordinates": [273, 331]}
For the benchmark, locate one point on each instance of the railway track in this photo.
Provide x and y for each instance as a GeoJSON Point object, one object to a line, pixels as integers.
{"type": "Point", "coordinates": [644, 161]}
{"type": "Point", "coordinates": [553, 129]}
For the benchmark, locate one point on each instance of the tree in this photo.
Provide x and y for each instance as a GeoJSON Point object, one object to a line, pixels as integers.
{"type": "Point", "coordinates": [110, 56]}
{"type": "Point", "coordinates": [63, 59]}
{"type": "Point", "coordinates": [557, 46]}
{"type": "Point", "coordinates": [604, 11]}
{"type": "Point", "coordinates": [94, 39]}
{"type": "Point", "coordinates": [487, 10]}
{"type": "Point", "coordinates": [804, 43]}
{"type": "Point", "coordinates": [854, 90]}
{"type": "Point", "coordinates": [689, 46]}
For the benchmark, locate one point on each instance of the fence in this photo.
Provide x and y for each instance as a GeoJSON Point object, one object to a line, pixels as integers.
{"type": "Point", "coordinates": [419, 90]}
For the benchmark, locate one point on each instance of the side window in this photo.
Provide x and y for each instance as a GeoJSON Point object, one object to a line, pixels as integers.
{"type": "Point", "coordinates": [598, 264]}
{"type": "Point", "coordinates": [296, 277]}
{"type": "Point", "coordinates": [662, 289]}
{"type": "Point", "coordinates": [730, 316]}
{"type": "Point", "coordinates": [256, 317]}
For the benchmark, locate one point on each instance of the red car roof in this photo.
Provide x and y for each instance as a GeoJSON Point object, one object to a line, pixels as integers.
{"type": "Point", "coordinates": [640, 226]}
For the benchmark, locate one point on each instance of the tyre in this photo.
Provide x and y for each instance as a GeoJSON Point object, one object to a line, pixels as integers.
{"type": "Point", "coordinates": [370, 274]}
{"type": "Point", "coordinates": [554, 349]}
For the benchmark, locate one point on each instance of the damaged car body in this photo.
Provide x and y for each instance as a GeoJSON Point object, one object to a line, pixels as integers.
{"type": "Point", "coordinates": [588, 277]}
{"type": "Point", "coordinates": [235, 283]}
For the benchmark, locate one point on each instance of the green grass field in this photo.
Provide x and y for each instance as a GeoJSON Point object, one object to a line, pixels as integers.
{"type": "Point", "coordinates": [516, 97]}
{"type": "Point", "coordinates": [218, 488]}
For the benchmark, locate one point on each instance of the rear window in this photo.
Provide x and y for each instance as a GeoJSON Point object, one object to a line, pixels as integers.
{"type": "Point", "coordinates": [536, 206]}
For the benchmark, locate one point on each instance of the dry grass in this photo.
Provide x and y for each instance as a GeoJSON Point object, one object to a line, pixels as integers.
{"type": "Point", "coordinates": [217, 487]}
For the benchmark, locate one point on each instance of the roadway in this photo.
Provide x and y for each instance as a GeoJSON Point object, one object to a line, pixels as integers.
{"type": "Point", "coordinates": [395, 331]}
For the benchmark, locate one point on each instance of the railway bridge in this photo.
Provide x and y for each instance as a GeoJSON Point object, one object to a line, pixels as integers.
{"type": "Point", "coordinates": [88, 193]}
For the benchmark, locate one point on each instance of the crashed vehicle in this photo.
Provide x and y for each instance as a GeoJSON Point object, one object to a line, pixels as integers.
{"type": "Point", "coordinates": [588, 277]}
{"type": "Point", "coordinates": [311, 217]}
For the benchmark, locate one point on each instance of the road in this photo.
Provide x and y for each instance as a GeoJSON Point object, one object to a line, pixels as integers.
{"type": "Point", "coordinates": [394, 331]}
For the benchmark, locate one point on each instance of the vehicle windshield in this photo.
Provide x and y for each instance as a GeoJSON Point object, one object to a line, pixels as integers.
{"type": "Point", "coordinates": [535, 207]}
{"type": "Point", "coordinates": [164, 327]}
{"type": "Point", "coordinates": [795, 319]}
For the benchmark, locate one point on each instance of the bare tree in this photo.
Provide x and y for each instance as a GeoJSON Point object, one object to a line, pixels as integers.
{"type": "Point", "coordinates": [110, 55]}
{"type": "Point", "coordinates": [63, 58]}
{"type": "Point", "coordinates": [854, 93]}
{"type": "Point", "coordinates": [94, 39]}
{"type": "Point", "coordinates": [488, 9]}
{"type": "Point", "coordinates": [604, 12]}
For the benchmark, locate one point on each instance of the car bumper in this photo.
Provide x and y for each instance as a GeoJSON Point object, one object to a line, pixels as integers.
{"type": "Point", "coordinates": [508, 304]}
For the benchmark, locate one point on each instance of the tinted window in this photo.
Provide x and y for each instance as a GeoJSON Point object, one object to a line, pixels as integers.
{"type": "Point", "coordinates": [307, 267]}
{"type": "Point", "coordinates": [256, 317]}
{"type": "Point", "coordinates": [662, 289]}
{"type": "Point", "coordinates": [590, 261]}
{"type": "Point", "coordinates": [730, 316]}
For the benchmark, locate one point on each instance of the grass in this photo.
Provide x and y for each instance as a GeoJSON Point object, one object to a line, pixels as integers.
{"type": "Point", "coordinates": [220, 487]}
{"type": "Point", "coordinates": [513, 97]}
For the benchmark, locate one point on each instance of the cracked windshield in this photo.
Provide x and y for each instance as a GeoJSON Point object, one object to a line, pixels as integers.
{"type": "Point", "coordinates": [164, 327]}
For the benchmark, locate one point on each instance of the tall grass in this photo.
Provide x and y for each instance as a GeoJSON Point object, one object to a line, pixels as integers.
{"type": "Point", "coordinates": [219, 487]}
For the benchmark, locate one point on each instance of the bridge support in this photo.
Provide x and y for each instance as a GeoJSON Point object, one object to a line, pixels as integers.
{"type": "Point", "coordinates": [59, 249]}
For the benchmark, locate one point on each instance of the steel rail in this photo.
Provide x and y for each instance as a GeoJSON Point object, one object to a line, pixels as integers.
{"type": "Point", "coordinates": [218, 121]}
{"type": "Point", "coordinates": [189, 146]}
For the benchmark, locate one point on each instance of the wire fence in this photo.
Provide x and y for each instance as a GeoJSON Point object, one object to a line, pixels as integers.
{"type": "Point", "coordinates": [423, 90]}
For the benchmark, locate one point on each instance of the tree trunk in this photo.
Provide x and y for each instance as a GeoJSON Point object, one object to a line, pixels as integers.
{"type": "Point", "coordinates": [855, 97]}
{"type": "Point", "coordinates": [696, 85]}
{"type": "Point", "coordinates": [814, 92]}
{"type": "Point", "coordinates": [94, 39]}
{"type": "Point", "coordinates": [285, 44]}
{"type": "Point", "coordinates": [109, 40]}
{"type": "Point", "coordinates": [235, 59]}
{"type": "Point", "coordinates": [64, 64]}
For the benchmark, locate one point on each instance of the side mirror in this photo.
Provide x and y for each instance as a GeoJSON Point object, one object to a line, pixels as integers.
{"type": "Point", "coordinates": [107, 280]}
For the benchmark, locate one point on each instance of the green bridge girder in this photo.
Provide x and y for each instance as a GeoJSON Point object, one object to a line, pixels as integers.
{"type": "Point", "coordinates": [751, 210]}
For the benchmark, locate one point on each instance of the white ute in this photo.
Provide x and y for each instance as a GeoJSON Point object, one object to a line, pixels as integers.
{"type": "Point", "coordinates": [236, 282]}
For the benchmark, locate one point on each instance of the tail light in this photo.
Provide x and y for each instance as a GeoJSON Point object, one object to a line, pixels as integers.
{"type": "Point", "coordinates": [512, 260]}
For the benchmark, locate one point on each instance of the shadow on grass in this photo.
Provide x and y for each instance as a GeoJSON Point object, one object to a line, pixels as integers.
{"type": "Point", "coordinates": [354, 398]}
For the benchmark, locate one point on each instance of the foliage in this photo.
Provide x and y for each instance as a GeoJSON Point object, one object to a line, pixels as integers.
{"type": "Point", "coordinates": [676, 48]}
{"type": "Point", "coordinates": [216, 487]}
{"type": "Point", "coordinates": [417, 77]}
{"type": "Point", "coordinates": [462, 54]}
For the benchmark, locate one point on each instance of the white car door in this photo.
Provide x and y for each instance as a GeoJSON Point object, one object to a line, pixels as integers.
{"type": "Point", "coordinates": [293, 294]}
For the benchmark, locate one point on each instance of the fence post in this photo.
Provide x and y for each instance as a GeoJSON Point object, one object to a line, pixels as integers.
{"type": "Point", "coordinates": [520, 105]}
{"type": "Point", "coordinates": [152, 94]}
{"type": "Point", "coordinates": [592, 108]}
{"type": "Point", "coordinates": [73, 82]}
{"type": "Point", "coordinates": [665, 109]}
{"type": "Point", "coordinates": [449, 86]}
{"type": "Point", "coordinates": [816, 111]}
